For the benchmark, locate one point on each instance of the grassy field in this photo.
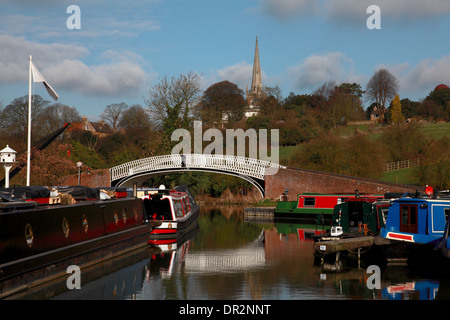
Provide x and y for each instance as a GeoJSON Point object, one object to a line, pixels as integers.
{"type": "Point", "coordinates": [287, 152]}
{"type": "Point", "coordinates": [403, 176]}
{"type": "Point", "coordinates": [437, 130]}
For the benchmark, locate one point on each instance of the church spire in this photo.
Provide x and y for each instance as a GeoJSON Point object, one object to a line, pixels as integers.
{"type": "Point", "coordinates": [256, 89]}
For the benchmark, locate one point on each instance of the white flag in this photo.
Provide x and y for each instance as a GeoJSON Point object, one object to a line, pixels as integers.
{"type": "Point", "coordinates": [37, 77]}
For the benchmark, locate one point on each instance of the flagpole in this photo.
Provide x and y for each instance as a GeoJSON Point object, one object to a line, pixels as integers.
{"type": "Point", "coordinates": [29, 126]}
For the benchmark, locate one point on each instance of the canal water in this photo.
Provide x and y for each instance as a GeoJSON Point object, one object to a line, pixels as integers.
{"type": "Point", "coordinates": [231, 258]}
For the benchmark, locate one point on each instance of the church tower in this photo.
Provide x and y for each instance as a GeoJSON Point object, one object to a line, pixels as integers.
{"type": "Point", "coordinates": [256, 89]}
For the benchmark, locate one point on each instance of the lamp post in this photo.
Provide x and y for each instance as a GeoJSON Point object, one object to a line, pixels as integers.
{"type": "Point", "coordinates": [7, 158]}
{"type": "Point", "coordinates": [79, 165]}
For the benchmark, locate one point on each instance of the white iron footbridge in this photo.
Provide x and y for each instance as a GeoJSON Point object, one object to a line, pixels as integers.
{"type": "Point", "coordinates": [138, 171]}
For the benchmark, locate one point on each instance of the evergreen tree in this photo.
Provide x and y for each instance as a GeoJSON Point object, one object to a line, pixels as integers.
{"type": "Point", "coordinates": [396, 111]}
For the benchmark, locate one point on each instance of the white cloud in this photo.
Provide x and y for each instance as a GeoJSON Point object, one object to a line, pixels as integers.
{"type": "Point", "coordinates": [416, 81]}
{"type": "Point", "coordinates": [425, 76]}
{"type": "Point", "coordinates": [14, 53]}
{"type": "Point", "coordinates": [240, 74]}
{"type": "Point", "coordinates": [355, 10]}
{"type": "Point", "coordinates": [47, 20]}
{"type": "Point", "coordinates": [108, 79]}
{"type": "Point", "coordinates": [318, 69]}
{"type": "Point", "coordinates": [283, 9]}
{"type": "Point", "coordinates": [350, 11]}
{"type": "Point", "coordinates": [62, 65]}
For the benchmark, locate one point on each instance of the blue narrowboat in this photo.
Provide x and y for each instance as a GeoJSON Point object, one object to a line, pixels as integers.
{"type": "Point", "coordinates": [443, 245]}
{"type": "Point", "coordinates": [414, 227]}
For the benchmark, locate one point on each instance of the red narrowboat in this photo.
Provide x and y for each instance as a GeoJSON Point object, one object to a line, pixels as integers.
{"type": "Point", "coordinates": [313, 205]}
{"type": "Point", "coordinates": [172, 214]}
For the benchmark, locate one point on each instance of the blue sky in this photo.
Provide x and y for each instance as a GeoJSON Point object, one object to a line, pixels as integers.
{"type": "Point", "coordinates": [124, 47]}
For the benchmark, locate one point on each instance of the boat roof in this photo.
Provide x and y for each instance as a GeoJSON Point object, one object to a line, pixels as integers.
{"type": "Point", "coordinates": [442, 200]}
{"type": "Point", "coordinates": [175, 193]}
{"type": "Point", "coordinates": [26, 192]}
{"type": "Point", "coordinates": [361, 199]}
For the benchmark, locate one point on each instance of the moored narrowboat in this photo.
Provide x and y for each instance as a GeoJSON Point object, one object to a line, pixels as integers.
{"type": "Point", "coordinates": [359, 217]}
{"type": "Point", "coordinates": [354, 224]}
{"type": "Point", "coordinates": [172, 214]}
{"type": "Point", "coordinates": [311, 206]}
{"type": "Point", "coordinates": [443, 245]}
{"type": "Point", "coordinates": [414, 227]}
{"type": "Point", "coordinates": [44, 231]}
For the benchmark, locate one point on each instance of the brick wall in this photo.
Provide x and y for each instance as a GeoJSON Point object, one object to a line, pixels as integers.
{"type": "Point", "coordinates": [95, 179]}
{"type": "Point", "coordinates": [300, 180]}
{"type": "Point", "coordinates": [296, 180]}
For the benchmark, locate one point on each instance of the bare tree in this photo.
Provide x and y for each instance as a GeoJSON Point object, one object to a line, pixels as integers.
{"type": "Point", "coordinates": [170, 101]}
{"type": "Point", "coordinates": [382, 88]}
{"type": "Point", "coordinates": [15, 115]}
{"type": "Point", "coordinates": [271, 103]}
{"type": "Point", "coordinates": [55, 116]}
{"type": "Point", "coordinates": [135, 118]}
{"type": "Point", "coordinates": [112, 113]}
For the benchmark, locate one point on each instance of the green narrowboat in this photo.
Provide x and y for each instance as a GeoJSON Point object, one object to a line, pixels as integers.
{"type": "Point", "coordinates": [359, 216]}
{"type": "Point", "coordinates": [314, 206]}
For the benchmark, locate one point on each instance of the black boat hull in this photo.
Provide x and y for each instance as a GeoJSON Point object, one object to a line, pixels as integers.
{"type": "Point", "coordinates": [37, 245]}
{"type": "Point", "coordinates": [414, 253]}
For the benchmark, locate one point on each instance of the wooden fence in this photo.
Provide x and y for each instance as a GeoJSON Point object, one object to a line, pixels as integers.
{"type": "Point", "coordinates": [397, 165]}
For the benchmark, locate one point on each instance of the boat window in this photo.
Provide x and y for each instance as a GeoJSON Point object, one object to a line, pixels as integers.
{"type": "Point", "coordinates": [408, 218]}
{"type": "Point", "coordinates": [124, 215]}
{"type": "Point", "coordinates": [177, 208]}
{"type": "Point", "coordinates": [183, 206]}
{"type": "Point", "coordinates": [116, 217]}
{"type": "Point", "coordinates": [29, 237]}
{"type": "Point", "coordinates": [159, 209]}
{"type": "Point", "coordinates": [446, 214]}
{"type": "Point", "coordinates": [187, 207]}
{"type": "Point", "coordinates": [135, 214]}
{"type": "Point", "coordinates": [384, 214]}
{"type": "Point", "coordinates": [65, 227]}
{"type": "Point", "coordinates": [85, 224]}
{"type": "Point", "coordinates": [404, 215]}
{"type": "Point", "coordinates": [310, 202]}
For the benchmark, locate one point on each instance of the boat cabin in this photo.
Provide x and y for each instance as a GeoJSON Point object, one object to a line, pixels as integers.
{"type": "Point", "coordinates": [362, 216]}
{"type": "Point", "coordinates": [315, 205]}
{"type": "Point", "coordinates": [421, 220]}
{"type": "Point", "coordinates": [167, 205]}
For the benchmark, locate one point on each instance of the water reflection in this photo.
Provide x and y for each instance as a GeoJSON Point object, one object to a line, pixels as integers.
{"type": "Point", "coordinates": [229, 258]}
{"type": "Point", "coordinates": [412, 290]}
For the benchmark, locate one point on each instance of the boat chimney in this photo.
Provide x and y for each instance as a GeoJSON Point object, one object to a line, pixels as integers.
{"type": "Point", "coordinates": [134, 189]}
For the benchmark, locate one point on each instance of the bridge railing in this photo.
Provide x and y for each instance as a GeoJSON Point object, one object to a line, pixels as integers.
{"type": "Point", "coordinates": [246, 166]}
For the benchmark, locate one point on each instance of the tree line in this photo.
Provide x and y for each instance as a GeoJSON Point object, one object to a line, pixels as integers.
{"type": "Point", "coordinates": [309, 120]}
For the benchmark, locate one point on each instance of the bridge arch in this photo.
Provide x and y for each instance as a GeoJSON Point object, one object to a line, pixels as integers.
{"type": "Point", "coordinates": [249, 169]}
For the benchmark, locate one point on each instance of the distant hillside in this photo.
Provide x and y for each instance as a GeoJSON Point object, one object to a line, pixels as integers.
{"type": "Point", "coordinates": [434, 131]}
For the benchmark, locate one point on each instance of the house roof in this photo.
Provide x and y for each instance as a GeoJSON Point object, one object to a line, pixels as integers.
{"type": "Point", "coordinates": [101, 127]}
